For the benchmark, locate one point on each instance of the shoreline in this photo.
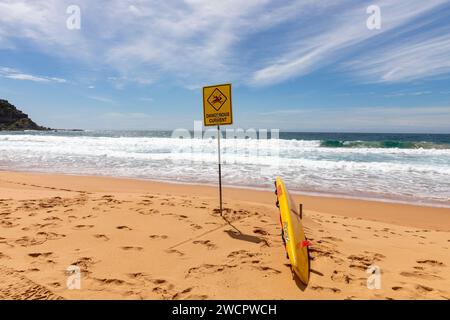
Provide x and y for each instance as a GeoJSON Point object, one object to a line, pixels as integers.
{"type": "Point", "coordinates": [254, 188]}
{"type": "Point", "coordinates": [414, 176]}
{"type": "Point", "coordinates": [394, 212]}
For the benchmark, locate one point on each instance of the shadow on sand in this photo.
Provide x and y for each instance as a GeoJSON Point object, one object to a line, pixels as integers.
{"type": "Point", "coordinates": [237, 234]}
{"type": "Point", "coordinates": [244, 237]}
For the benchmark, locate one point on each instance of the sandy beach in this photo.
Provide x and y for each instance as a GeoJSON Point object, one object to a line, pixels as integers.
{"type": "Point", "coordinates": [135, 239]}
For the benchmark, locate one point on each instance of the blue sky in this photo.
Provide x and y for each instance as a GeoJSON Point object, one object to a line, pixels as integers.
{"type": "Point", "coordinates": [294, 65]}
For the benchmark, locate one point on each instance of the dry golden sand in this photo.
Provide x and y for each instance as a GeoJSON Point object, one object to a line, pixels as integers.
{"type": "Point", "coordinates": [145, 240]}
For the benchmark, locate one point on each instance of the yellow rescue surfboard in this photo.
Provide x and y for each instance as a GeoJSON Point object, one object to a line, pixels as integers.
{"type": "Point", "coordinates": [293, 234]}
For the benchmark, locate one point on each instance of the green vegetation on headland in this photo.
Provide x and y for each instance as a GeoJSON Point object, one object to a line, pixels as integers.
{"type": "Point", "coordinates": [12, 119]}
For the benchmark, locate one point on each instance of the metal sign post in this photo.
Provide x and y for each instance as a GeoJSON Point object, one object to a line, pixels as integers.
{"type": "Point", "coordinates": [220, 168]}
{"type": "Point", "coordinates": [217, 110]}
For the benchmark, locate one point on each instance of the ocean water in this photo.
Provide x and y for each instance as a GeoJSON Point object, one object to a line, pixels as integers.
{"type": "Point", "coordinates": [413, 168]}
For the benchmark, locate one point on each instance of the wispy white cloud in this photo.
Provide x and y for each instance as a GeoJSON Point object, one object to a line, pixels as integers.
{"type": "Point", "coordinates": [259, 42]}
{"type": "Point", "coordinates": [345, 34]}
{"type": "Point", "coordinates": [14, 74]}
{"type": "Point", "coordinates": [416, 59]}
{"type": "Point", "coordinates": [43, 24]}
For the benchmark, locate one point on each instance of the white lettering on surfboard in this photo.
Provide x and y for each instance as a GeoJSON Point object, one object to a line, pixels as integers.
{"type": "Point", "coordinates": [286, 234]}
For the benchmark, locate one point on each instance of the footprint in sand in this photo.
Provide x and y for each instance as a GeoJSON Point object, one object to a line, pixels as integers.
{"type": "Point", "coordinates": [260, 231]}
{"type": "Point", "coordinates": [432, 263]}
{"type": "Point", "coordinates": [26, 241]}
{"type": "Point", "coordinates": [208, 269]}
{"type": "Point", "coordinates": [159, 286]}
{"type": "Point", "coordinates": [83, 227]}
{"type": "Point", "coordinates": [101, 237]}
{"type": "Point", "coordinates": [321, 289]}
{"type": "Point", "coordinates": [52, 218]}
{"type": "Point", "coordinates": [420, 275]}
{"type": "Point", "coordinates": [187, 295]}
{"type": "Point", "coordinates": [162, 287]}
{"type": "Point", "coordinates": [55, 284]}
{"type": "Point", "coordinates": [423, 289]}
{"type": "Point", "coordinates": [333, 239]}
{"type": "Point", "coordinates": [8, 224]}
{"type": "Point", "coordinates": [145, 202]}
{"type": "Point", "coordinates": [124, 228]}
{"type": "Point", "coordinates": [243, 257]}
{"type": "Point", "coordinates": [138, 275]}
{"type": "Point", "coordinates": [155, 236]}
{"type": "Point", "coordinates": [130, 248]}
{"type": "Point", "coordinates": [209, 245]}
{"type": "Point", "coordinates": [107, 281]}
{"type": "Point", "coordinates": [267, 269]}
{"type": "Point", "coordinates": [362, 262]}
{"type": "Point", "coordinates": [50, 235]}
{"type": "Point", "coordinates": [170, 204]}
{"type": "Point", "coordinates": [196, 226]}
{"type": "Point", "coordinates": [40, 254]}
{"type": "Point", "coordinates": [175, 251]}
{"type": "Point", "coordinates": [341, 276]}
{"type": "Point", "coordinates": [4, 256]}
{"type": "Point", "coordinates": [147, 212]}
{"type": "Point", "coordinates": [84, 263]}
{"type": "Point", "coordinates": [319, 251]}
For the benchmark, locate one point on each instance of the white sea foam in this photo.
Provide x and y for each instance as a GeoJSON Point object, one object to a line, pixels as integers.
{"type": "Point", "coordinates": [404, 174]}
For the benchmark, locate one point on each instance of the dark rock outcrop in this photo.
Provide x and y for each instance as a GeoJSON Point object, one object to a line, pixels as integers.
{"type": "Point", "coordinates": [13, 119]}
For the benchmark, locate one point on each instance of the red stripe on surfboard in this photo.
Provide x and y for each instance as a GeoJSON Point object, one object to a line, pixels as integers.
{"type": "Point", "coordinates": [279, 190]}
{"type": "Point", "coordinates": [303, 244]}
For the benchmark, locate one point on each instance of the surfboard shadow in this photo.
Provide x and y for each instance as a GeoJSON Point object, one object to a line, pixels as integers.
{"type": "Point", "coordinates": [299, 284]}
{"type": "Point", "coordinates": [296, 279]}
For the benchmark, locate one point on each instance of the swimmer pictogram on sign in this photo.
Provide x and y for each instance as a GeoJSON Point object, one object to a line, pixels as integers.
{"type": "Point", "coordinates": [217, 99]}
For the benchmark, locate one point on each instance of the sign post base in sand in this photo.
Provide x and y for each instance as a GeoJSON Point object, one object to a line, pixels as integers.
{"type": "Point", "coordinates": [217, 111]}
{"type": "Point", "coordinates": [220, 168]}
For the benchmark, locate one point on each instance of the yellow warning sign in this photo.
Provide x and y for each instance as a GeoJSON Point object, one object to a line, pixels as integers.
{"type": "Point", "coordinates": [217, 108]}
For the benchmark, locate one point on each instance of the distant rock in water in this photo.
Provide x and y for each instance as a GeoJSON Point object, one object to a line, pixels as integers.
{"type": "Point", "coordinates": [12, 119]}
